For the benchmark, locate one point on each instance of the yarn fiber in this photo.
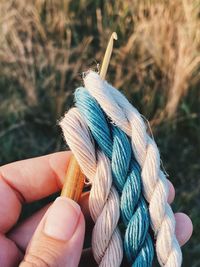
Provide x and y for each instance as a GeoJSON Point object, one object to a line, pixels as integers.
{"type": "Point", "coordinates": [114, 151]}
{"type": "Point", "coordinates": [126, 175]}
{"type": "Point", "coordinates": [104, 200]}
{"type": "Point", "coordinates": [155, 187]}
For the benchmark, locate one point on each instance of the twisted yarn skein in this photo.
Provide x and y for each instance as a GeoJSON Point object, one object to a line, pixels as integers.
{"type": "Point", "coordinates": [126, 174]}
{"type": "Point", "coordinates": [155, 187]}
{"type": "Point", "coordinates": [104, 200]}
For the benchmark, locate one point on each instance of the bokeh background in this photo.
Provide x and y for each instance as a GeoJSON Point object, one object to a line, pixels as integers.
{"type": "Point", "coordinates": [45, 45]}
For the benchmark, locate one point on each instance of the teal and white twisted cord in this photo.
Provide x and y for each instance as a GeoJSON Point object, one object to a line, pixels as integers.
{"type": "Point", "coordinates": [155, 186]}
{"type": "Point", "coordinates": [155, 189]}
{"type": "Point", "coordinates": [126, 175]}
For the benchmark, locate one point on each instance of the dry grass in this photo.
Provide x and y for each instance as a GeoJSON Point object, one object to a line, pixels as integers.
{"type": "Point", "coordinates": [33, 49]}
{"type": "Point", "coordinates": [165, 44]}
{"type": "Point", "coordinates": [170, 33]}
{"type": "Point", "coordinates": [38, 43]}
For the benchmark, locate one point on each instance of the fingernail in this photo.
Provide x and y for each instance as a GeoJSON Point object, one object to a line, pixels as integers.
{"type": "Point", "coordinates": [62, 219]}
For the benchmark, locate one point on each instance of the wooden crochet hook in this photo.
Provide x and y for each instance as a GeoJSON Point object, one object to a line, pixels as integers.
{"type": "Point", "coordinates": [74, 178]}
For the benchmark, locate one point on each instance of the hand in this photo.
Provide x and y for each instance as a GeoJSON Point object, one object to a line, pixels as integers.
{"type": "Point", "coordinates": [54, 235]}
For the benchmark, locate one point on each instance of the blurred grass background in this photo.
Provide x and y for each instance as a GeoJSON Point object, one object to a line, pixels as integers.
{"type": "Point", "coordinates": [45, 45]}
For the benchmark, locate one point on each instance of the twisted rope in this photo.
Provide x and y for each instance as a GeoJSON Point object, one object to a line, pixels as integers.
{"type": "Point", "coordinates": [155, 187]}
{"type": "Point", "coordinates": [104, 200]}
{"type": "Point", "coordinates": [126, 174]}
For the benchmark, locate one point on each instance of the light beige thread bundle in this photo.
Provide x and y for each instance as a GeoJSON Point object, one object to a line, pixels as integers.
{"type": "Point", "coordinates": [104, 200]}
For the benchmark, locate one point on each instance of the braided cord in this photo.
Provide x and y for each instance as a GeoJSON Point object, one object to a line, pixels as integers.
{"type": "Point", "coordinates": [126, 175]}
{"type": "Point", "coordinates": [104, 200]}
{"type": "Point", "coordinates": [155, 188]}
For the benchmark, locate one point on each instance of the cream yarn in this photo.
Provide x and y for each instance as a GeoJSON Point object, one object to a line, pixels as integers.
{"type": "Point", "coordinates": [104, 200]}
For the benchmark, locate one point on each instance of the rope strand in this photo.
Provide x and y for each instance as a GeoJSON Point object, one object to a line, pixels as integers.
{"type": "Point", "coordinates": [155, 187]}
{"type": "Point", "coordinates": [104, 200]}
{"type": "Point", "coordinates": [126, 176]}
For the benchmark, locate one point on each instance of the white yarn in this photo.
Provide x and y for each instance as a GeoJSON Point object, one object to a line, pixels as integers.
{"type": "Point", "coordinates": [125, 116]}
{"type": "Point", "coordinates": [104, 200]}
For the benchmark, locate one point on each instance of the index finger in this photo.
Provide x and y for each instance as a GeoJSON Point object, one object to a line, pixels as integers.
{"type": "Point", "coordinates": [27, 181]}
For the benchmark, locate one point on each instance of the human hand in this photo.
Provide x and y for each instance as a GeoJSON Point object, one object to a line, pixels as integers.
{"type": "Point", "coordinates": [54, 235]}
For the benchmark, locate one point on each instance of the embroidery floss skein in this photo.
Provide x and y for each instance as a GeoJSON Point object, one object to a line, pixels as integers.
{"type": "Point", "coordinates": [104, 200]}
{"type": "Point", "coordinates": [126, 173]}
{"type": "Point", "coordinates": [155, 187]}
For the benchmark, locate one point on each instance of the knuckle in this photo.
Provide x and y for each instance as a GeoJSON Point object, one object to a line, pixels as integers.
{"type": "Point", "coordinates": [43, 252]}
{"type": "Point", "coordinates": [32, 260]}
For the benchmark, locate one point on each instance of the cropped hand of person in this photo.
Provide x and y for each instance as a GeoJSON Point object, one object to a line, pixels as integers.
{"type": "Point", "coordinates": [54, 235]}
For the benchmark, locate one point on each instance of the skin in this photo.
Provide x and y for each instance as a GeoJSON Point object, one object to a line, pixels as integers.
{"type": "Point", "coordinates": [31, 180]}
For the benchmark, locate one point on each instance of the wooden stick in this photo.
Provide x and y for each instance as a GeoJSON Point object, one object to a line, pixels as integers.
{"type": "Point", "coordinates": [74, 181]}
{"type": "Point", "coordinates": [74, 178]}
{"type": "Point", "coordinates": [107, 56]}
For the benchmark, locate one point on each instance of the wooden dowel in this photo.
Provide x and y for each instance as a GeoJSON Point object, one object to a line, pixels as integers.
{"type": "Point", "coordinates": [107, 56]}
{"type": "Point", "coordinates": [74, 181]}
{"type": "Point", "coordinates": [74, 178]}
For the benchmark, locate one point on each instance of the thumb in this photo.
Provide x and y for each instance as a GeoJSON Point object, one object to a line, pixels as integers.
{"type": "Point", "coordinates": [58, 239]}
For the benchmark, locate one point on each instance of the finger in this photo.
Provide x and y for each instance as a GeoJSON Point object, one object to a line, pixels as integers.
{"type": "Point", "coordinates": [171, 195]}
{"type": "Point", "coordinates": [36, 178]}
{"type": "Point", "coordinates": [29, 180]}
{"type": "Point", "coordinates": [10, 255]}
{"type": "Point", "coordinates": [58, 239]}
{"type": "Point", "coordinates": [23, 232]}
{"type": "Point", "coordinates": [184, 228]}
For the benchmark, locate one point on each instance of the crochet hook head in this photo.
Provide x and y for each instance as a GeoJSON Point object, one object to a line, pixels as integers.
{"type": "Point", "coordinates": [107, 56]}
{"type": "Point", "coordinates": [74, 178]}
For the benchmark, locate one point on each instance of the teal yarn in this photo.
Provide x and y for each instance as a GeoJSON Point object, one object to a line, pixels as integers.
{"type": "Point", "coordinates": [126, 175]}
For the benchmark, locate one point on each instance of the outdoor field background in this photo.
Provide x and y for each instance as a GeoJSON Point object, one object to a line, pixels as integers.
{"type": "Point", "coordinates": [46, 45]}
